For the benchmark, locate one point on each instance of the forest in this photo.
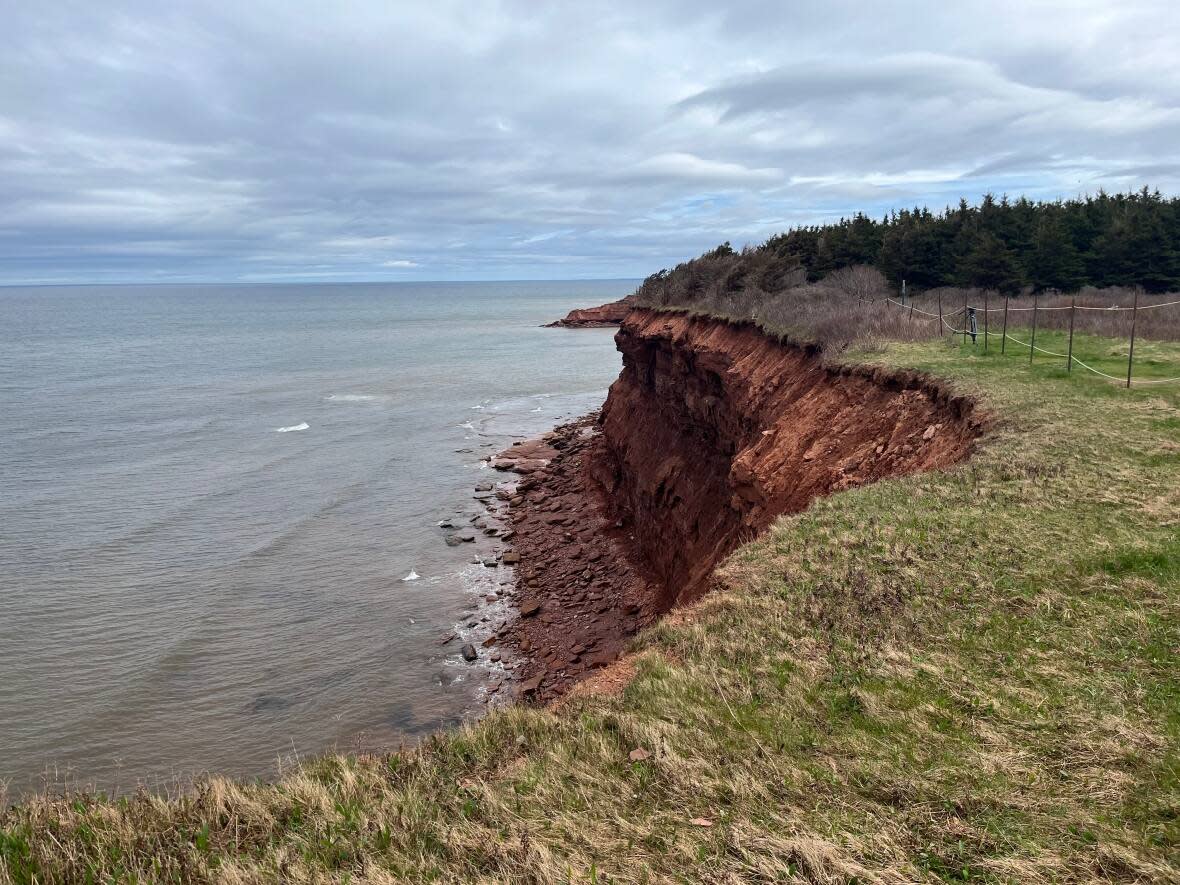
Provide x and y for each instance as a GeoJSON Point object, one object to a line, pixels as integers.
{"type": "Point", "coordinates": [1009, 246]}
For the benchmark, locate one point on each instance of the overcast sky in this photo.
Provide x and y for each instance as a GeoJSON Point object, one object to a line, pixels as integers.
{"type": "Point", "coordinates": [270, 141]}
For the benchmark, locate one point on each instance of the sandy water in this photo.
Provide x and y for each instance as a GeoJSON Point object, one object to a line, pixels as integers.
{"type": "Point", "coordinates": [209, 497]}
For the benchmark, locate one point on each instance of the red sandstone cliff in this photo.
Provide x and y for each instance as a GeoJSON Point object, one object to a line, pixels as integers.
{"type": "Point", "coordinates": [611, 314]}
{"type": "Point", "coordinates": [711, 431]}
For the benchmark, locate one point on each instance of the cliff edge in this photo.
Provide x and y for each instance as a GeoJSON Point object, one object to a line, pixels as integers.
{"type": "Point", "coordinates": [711, 431]}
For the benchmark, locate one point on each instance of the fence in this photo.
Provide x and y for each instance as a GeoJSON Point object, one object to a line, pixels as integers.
{"type": "Point", "coordinates": [971, 313]}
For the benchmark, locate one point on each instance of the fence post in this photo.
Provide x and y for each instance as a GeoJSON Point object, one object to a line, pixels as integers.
{"type": "Point", "coordinates": [1004, 333]}
{"type": "Point", "coordinates": [985, 320]}
{"type": "Point", "coordinates": [1033, 345]}
{"type": "Point", "coordinates": [940, 322]}
{"type": "Point", "coordinates": [1131, 355]}
{"type": "Point", "coordinates": [964, 318]}
{"type": "Point", "coordinates": [1069, 353]}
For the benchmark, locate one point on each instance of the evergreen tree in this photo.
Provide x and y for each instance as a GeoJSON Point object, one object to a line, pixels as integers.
{"type": "Point", "coordinates": [1054, 262]}
{"type": "Point", "coordinates": [990, 266]}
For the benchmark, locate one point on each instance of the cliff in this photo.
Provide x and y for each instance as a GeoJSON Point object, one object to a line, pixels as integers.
{"type": "Point", "coordinates": [604, 315]}
{"type": "Point", "coordinates": [714, 429]}
{"type": "Point", "coordinates": [711, 431]}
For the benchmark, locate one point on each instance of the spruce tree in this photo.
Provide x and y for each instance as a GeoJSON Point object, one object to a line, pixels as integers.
{"type": "Point", "coordinates": [990, 265]}
{"type": "Point", "coordinates": [1054, 261]}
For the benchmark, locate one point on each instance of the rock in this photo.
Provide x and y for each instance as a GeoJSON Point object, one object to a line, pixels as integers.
{"type": "Point", "coordinates": [466, 537]}
{"type": "Point", "coordinates": [484, 487]}
{"type": "Point", "coordinates": [511, 557]}
{"type": "Point", "coordinates": [454, 540]}
{"type": "Point", "coordinates": [529, 608]}
{"type": "Point", "coordinates": [469, 653]}
{"type": "Point", "coordinates": [530, 685]}
{"type": "Point", "coordinates": [930, 431]}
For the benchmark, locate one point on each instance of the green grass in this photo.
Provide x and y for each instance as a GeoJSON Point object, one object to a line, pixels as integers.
{"type": "Point", "coordinates": [965, 676]}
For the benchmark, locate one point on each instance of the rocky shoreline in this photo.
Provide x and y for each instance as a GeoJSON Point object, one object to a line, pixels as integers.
{"type": "Point", "coordinates": [577, 594]}
{"type": "Point", "coordinates": [580, 591]}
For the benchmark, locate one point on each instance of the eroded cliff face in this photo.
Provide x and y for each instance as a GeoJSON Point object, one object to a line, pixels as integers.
{"type": "Point", "coordinates": [714, 429]}
{"type": "Point", "coordinates": [710, 432]}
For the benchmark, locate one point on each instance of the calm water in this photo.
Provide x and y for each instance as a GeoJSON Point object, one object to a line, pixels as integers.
{"type": "Point", "coordinates": [185, 587]}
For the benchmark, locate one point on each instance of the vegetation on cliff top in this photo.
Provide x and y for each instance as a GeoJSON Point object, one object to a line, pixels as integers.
{"type": "Point", "coordinates": [968, 675]}
{"type": "Point", "coordinates": [1128, 239]}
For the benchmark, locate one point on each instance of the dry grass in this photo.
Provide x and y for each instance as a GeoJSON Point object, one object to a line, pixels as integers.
{"type": "Point", "coordinates": [968, 675]}
{"type": "Point", "coordinates": [852, 307]}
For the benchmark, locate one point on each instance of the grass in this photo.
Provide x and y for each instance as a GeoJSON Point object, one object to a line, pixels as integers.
{"type": "Point", "coordinates": [965, 676]}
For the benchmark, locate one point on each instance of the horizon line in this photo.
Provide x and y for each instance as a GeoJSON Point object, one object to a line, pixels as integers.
{"type": "Point", "coordinates": [42, 284]}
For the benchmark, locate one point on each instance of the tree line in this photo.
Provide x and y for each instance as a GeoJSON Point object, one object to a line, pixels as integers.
{"type": "Point", "coordinates": [1130, 239]}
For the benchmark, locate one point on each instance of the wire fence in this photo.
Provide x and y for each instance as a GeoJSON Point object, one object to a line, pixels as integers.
{"type": "Point", "coordinates": [971, 313]}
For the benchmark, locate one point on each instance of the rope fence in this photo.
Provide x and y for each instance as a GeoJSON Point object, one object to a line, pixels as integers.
{"type": "Point", "coordinates": [970, 326]}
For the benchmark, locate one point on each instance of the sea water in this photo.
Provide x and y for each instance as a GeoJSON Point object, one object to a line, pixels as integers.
{"type": "Point", "coordinates": [211, 497]}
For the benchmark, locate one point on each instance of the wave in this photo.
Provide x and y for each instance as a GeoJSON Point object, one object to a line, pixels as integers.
{"type": "Point", "coordinates": [303, 426]}
{"type": "Point", "coordinates": [412, 576]}
{"type": "Point", "coordinates": [354, 398]}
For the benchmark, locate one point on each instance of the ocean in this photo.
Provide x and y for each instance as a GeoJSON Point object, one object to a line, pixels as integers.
{"type": "Point", "coordinates": [210, 497]}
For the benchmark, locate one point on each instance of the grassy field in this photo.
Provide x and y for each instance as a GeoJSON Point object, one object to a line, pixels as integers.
{"type": "Point", "coordinates": [968, 676]}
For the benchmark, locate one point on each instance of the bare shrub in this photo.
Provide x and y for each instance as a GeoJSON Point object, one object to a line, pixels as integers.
{"type": "Point", "coordinates": [860, 281]}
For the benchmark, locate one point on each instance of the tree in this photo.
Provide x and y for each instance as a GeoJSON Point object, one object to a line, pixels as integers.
{"type": "Point", "coordinates": [990, 265]}
{"type": "Point", "coordinates": [1054, 261]}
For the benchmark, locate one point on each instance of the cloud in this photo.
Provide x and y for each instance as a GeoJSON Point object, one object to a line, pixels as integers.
{"type": "Point", "coordinates": [289, 140]}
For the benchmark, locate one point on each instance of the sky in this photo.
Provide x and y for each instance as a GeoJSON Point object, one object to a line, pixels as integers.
{"type": "Point", "coordinates": [284, 140]}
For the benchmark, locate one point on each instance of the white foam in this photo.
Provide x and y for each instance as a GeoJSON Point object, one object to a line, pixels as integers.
{"type": "Point", "coordinates": [303, 426]}
{"type": "Point", "coordinates": [467, 425]}
{"type": "Point", "coordinates": [353, 397]}
{"type": "Point", "coordinates": [412, 576]}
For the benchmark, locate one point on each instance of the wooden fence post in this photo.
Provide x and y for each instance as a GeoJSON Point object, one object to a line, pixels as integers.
{"type": "Point", "coordinates": [940, 322]}
{"type": "Point", "coordinates": [985, 320]}
{"type": "Point", "coordinates": [964, 318]}
{"type": "Point", "coordinates": [1033, 345]}
{"type": "Point", "coordinates": [1069, 353]}
{"type": "Point", "coordinates": [1131, 354]}
{"type": "Point", "coordinates": [1004, 333]}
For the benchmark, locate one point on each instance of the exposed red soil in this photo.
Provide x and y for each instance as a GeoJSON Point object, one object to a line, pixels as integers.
{"type": "Point", "coordinates": [604, 315]}
{"type": "Point", "coordinates": [711, 431]}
